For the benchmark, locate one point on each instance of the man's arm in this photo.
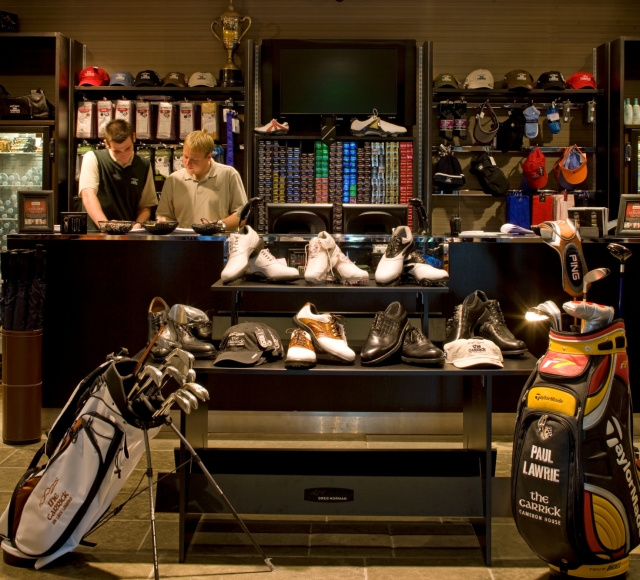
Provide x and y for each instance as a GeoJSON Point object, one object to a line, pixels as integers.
{"type": "Point", "coordinates": [238, 200]}
{"type": "Point", "coordinates": [148, 199]}
{"type": "Point", "coordinates": [232, 222]}
{"type": "Point", "coordinates": [92, 205]}
{"type": "Point", "coordinates": [165, 211]}
{"type": "Point", "coordinates": [144, 213]}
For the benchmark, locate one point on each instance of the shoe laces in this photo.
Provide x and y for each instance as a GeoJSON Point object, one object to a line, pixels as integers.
{"type": "Point", "coordinates": [298, 337]}
{"type": "Point", "coordinates": [417, 336]}
{"type": "Point", "coordinates": [157, 320]}
{"type": "Point", "coordinates": [337, 327]}
{"type": "Point", "coordinates": [267, 255]}
{"type": "Point", "coordinates": [383, 324]}
{"type": "Point", "coordinates": [233, 242]}
{"type": "Point", "coordinates": [456, 315]}
{"type": "Point", "coordinates": [496, 313]}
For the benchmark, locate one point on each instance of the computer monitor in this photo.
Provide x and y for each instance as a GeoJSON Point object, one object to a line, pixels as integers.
{"type": "Point", "coordinates": [299, 218]}
{"type": "Point", "coordinates": [373, 218]}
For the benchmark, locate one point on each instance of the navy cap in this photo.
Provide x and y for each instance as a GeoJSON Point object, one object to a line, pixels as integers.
{"type": "Point", "coordinates": [147, 78]}
{"type": "Point", "coordinates": [121, 79]}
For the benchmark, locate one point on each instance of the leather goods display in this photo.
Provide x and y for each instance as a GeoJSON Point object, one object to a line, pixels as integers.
{"type": "Point", "coordinates": [574, 478]}
{"type": "Point", "coordinates": [32, 106]}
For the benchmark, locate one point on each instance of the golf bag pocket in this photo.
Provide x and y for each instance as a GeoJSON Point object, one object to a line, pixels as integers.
{"type": "Point", "coordinates": [66, 487]}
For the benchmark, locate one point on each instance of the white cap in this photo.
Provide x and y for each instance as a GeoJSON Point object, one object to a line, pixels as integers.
{"type": "Point", "coordinates": [464, 353]}
{"type": "Point", "coordinates": [479, 79]}
{"type": "Point", "coordinates": [202, 79]}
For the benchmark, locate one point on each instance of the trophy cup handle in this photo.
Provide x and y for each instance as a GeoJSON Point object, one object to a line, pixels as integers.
{"type": "Point", "coordinates": [247, 28]}
{"type": "Point", "coordinates": [214, 32]}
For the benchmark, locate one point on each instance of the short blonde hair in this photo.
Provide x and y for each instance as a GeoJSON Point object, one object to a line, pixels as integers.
{"type": "Point", "coordinates": [200, 141]}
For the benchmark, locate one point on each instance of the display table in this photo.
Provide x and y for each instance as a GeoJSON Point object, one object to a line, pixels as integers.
{"type": "Point", "coordinates": [439, 482]}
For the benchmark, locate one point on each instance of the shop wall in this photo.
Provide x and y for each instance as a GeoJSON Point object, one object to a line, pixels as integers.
{"type": "Point", "coordinates": [499, 35]}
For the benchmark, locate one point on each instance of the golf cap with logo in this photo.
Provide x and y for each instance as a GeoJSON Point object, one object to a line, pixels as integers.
{"type": "Point", "coordinates": [552, 79]}
{"type": "Point", "coordinates": [572, 168]}
{"type": "Point", "coordinates": [518, 80]}
{"type": "Point", "coordinates": [581, 80]}
{"type": "Point", "coordinates": [479, 79]}
{"type": "Point", "coordinates": [202, 79]}
{"type": "Point", "coordinates": [534, 169]}
{"type": "Point", "coordinates": [147, 78]}
{"type": "Point", "coordinates": [121, 79]}
{"type": "Point", "coordinates": [175, 79]}
{"type": "Point", "coordinates": [531, 115]}
{"type": "Point", "coordinates": [249, 344]}
{"type": "Point", "coordinates": [470, 352]}
{"type": "Point", "coordinates": [446, 80]}
{"type": "Point", "coordinates": [93, 76]}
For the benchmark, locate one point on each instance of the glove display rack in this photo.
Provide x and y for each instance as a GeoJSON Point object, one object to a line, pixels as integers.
{"type": "Point", "coordinates": [409, 487]}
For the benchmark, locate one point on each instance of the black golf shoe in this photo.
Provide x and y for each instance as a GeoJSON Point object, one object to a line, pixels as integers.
{"type": "Point", "coordinates": [469, 315]}
{"type": "Point", "coordinates": [386, 335]}
{"type": "Point", "coordinates": [495, 329]}
{"type": "Point", "coordinates": [417, 349]}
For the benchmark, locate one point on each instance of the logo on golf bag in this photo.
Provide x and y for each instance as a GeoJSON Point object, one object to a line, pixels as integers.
{"type": "Point", "coordinates": [48, 491]}
{"type": "Point", "coordinates": [573, 267]}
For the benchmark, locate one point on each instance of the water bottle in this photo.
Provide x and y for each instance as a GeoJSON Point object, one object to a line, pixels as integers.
{"type": "Point", "coordinates": [628, 112]}
{"type": "Point", "coordinates": [636, 112]}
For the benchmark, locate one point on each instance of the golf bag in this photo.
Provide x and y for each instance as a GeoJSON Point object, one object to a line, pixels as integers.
{"type": "Point", "coordinates": [92, 447]}
{"type": "Point", "coordinates": [574, 474]}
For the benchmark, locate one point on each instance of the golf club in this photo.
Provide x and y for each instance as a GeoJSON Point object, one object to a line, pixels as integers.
{"type": "Point", "coordinates": [621, 253]}
{"type": "Point", "coordinates": [198, 390]}
{"type": "Point", "coordinates": [189, 396]}
{"type": "Point", "coordinates": [152, 376]}
{"type": "Point", "coordinates": [591, 277]}
{"type": "Point", "coordinates": [537, 314]}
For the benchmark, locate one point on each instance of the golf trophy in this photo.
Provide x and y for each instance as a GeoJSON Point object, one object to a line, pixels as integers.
{"type": "Point", "coordinates": [230, 74]}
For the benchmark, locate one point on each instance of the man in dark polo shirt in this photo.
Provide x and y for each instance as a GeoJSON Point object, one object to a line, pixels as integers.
{"type": "Point", "coordinates": [115, 183]}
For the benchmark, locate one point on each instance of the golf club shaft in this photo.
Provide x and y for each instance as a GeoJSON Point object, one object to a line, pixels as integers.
{"type": "Point", "coordinates": [620, 291]}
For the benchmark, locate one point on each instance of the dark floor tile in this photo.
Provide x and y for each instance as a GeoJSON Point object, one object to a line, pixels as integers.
{"type": "Point", "coordinates": [350, 528]}
{"type": "Point", "coordinates": [350, 552]}
{"type": "Point", "coordinates": [431, 529]}
{"type": "Point", "coordinates": [255, 527]}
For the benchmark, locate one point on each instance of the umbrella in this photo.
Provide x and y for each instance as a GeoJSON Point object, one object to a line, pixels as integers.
{"type": "Point", "coordinates": [35, 310]}
{"type": "Point", "coordinates": [20, 309]}
{"type": "Point", "coordinates": [12, 290]}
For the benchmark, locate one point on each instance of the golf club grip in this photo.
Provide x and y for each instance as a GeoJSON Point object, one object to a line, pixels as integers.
{"type": "Point", "coordinates": [147, 350]}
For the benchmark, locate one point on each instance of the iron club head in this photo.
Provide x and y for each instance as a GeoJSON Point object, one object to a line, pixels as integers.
{"type": "Point", "coordinates": [198, 390]}
{"type": "Point", "coordinates": [182, 401]}
{"type": "Point", "coordinates": [193, 402]}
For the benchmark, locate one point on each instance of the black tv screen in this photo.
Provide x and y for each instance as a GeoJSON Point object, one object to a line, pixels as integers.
{"type": "Point", "coordinates": [334, 81]}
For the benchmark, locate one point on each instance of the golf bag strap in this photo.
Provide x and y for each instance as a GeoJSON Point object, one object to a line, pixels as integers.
{"type": "Point", "coordinates": [610, 342]}
{"type": "Point", "coordinates": [88, 544]}
{"type": "Point", "coordinates": [38, 455]}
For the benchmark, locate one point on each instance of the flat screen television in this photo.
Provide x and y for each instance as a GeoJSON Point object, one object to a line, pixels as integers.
{"type": "Point", "coordinates": [305, 80]}
{"type": "Point", "coordinates": [373, 218]}
{"type": "Point", "coordinates": [299, 218]}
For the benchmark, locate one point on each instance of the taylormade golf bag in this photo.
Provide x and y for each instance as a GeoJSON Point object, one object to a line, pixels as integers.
{"type": "Point", "coordinates": [93, 447]}
{"type": "Point", "coordinates": [574, 474]}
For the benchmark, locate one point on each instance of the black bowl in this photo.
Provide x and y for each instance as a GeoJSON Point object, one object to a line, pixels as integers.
{"type": "Point", "coordinates": [207, 229]}
{"type": "Point", "coordinates": [115, 227]}
{"type": "Point", "coordinates": [160, 228]}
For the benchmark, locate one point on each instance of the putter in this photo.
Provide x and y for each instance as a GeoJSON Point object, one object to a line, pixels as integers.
{"type": "Point", "coordinates": [621, 253]}
{"type": "Point", "coordinates": [198, 390]}
{"type": "Point", "coordinates": [591, 277]}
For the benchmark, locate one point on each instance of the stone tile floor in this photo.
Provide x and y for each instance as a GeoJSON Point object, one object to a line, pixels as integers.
{"type": "Point", "coordinates": [313, 548]}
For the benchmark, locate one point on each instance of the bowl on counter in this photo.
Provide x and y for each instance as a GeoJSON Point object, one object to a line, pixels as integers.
{"type": "Point", "coordinates": [206, 228]}
{"type": "Point", "coordinates": [159, 228]}
{"type": "Point", "coordinates": [115, 227]}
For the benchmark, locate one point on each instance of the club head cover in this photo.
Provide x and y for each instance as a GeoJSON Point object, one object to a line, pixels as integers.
{"type": "Point", "coordinates": [595, 316]}
{"type": "Point", "coordinates": [564, 238]}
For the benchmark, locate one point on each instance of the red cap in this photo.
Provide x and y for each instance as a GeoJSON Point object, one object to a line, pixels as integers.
{"type": "Point", "coordinates": [534, 169]}
{"type": "Point", "coordinates": [94, 76]}
{"type": "Point", "coordinates": [581, 80]}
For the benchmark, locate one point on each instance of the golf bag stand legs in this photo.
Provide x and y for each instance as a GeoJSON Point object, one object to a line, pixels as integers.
{"type": "Point", "coordinates": [208, 475]}
{"type": "Point", "coordinates": [151, 507]}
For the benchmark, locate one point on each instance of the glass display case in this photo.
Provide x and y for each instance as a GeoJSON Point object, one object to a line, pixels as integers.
{"type": "Point", "coordinates": [24, 166]}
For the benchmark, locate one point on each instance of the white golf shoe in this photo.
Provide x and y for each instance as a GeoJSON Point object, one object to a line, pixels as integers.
{"type": "Point", "coordinates": [327, 263]}
{"type": "Point", "coordinates": [416, 267]}
{"type": "Point", "coordinates": [264, 266]}
{"type": "Point", "coordinates": [391, 265]}
{"type": "Point", "coordinates": [301, 354]}
{"type": "Point", "coordinates": [242, 245]}
{"type": "Point", "coordinates": [273, 128]}
{"type": "Point", "coordinates": [325, 331]}
{"type": "Point", "coordinates": [374, 125]}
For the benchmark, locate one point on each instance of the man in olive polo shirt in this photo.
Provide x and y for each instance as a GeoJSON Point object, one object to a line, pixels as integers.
{"type": "Point", "coordinates": [203, 189]}
{"type": "Point", "coordinates": [115, 183]}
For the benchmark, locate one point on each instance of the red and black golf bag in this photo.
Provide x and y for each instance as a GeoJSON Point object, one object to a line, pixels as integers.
{"type": "Point", "coordinates": [575, 484]}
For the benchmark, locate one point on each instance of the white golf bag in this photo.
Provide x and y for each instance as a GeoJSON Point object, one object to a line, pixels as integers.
{"type": "Point", "coordinates": [93, 447]}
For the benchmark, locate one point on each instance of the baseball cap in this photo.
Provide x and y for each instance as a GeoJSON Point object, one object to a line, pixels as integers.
{"type": "Point", "coordinates": [581, 80]}
{"type": "Point", "coordinates": [552, 79]}
{"type": "Point", "coordinates": [93, 76]}
{"type": "Point", "coordinates": [480, 78]}
{"type": "Point", "coordinates": [202, 79]}
{"type": "Point", "coordinates": [534, 169]}
{"type": "Point", "coordinates": [147, 78]}
{"type": "Point", "coordinates": [572, 168]}
{"type": "Point", "coordinates": [492, 179]}
{"type": "Point", "coordinates": [446, 80]}
{"type": "Point", "coordinates": [518, 80]}
{"type": "Point", "coordinates": [553, 118]}
{"type": "Point", "coordinates": [249, 344]}
{"type": "Point", "coordinates": [470, 352]}
{"type": "Point", "coordinates": [121, 79]}
{"type": "Point", "coordinates": [175, 79]}
{"type": "Point", "coordinates": [531, 115]}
